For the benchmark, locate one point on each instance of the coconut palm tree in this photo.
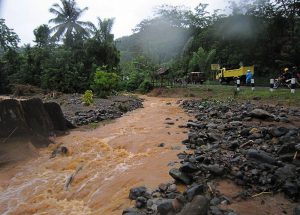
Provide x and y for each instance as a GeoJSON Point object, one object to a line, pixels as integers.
{"type": "Point", "coordinates": [66, 20]}
{"type": "Point", "coordinates": [103, 31]}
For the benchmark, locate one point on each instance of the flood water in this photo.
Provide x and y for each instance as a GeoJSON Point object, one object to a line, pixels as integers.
{"type": "Point", "coordinates": [108, 161]}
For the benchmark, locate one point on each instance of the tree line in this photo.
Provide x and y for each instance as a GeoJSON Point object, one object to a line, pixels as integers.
{"type": "Point", "coordinates": [64, 57]}
{"type": "Point", "coordinates": [70, 55]}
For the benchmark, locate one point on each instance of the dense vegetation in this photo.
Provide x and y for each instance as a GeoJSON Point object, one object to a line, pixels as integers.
{"type": "Point", "coordinates": [261, 32]}
{"type": "Point", "coordinates": [70, 55]}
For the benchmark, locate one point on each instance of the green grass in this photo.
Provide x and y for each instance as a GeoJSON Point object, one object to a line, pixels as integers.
{"type": "Point", "coordinates": [223, 92]}
{"type": "Point", "coordinates": [93, 125]}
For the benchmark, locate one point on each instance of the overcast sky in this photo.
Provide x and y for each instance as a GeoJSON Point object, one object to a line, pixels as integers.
{"type": "Point", "coordinates": [25, 15]}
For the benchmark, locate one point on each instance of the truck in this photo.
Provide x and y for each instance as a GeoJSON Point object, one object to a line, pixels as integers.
{"type": "Point", "coordinates": [196, 78]}
{"type": "Point", "coordinates": [225, 76]}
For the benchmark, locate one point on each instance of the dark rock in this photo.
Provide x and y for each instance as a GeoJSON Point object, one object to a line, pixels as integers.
{"type": "Point", "coordinates": [216, 169]}
{"type": "Point", "coordinates": [140, 202]}
{"type": "Point", "coordinates": [180, 176]}
{"type": "Point", "coordinates": [161, 145]}
{"type": "Point", "coordinates": [193, 191]}
{"type": "Point", "coordinates": [214, 136]}
{"type": "Point", "coordinates": [215, 210]}
{"type": "Point", "coordinates": [290, 189]}
{"type": "Point", "coordinates": [287, 148]}
{"type": "Point", "coordinates": [245, 132]}
{"type": "Point", "coordinates": [193, 124]}
{"type": "Point", "coordinates": [260, 156]}
{"type": "Point", "coordinates": [61, 150]}
{"type": "Point", "coordinates": [278, 132]}
{"type": "Point", "coordinates": [137, 192]}
{"type": "Point", "coordinates": [198, 206]}
{"type": "Point", "coordinates": [215, 201]}
{"type": "Point", "coordinates": [260, 114]}
{"type": "Point", "coordinates": [12, 119]}
{"type": "Point", "coordinates": [165, 207]}
{"type": "Point", "coordinates": [283, 173]}
{"type": "Point", "coordinates": [188, 167]}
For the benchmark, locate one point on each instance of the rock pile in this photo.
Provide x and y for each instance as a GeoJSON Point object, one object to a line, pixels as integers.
{"type": "Point", "coordinates": [103, 109]}
{"type": "Point", "coordinates": [254, 146]}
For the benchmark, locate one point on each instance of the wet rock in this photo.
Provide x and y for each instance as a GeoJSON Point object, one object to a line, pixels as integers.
{"type": "Point", "coordinates": [161, 145]}
{"type": "Point", "coordinates": [61, 150]}
{"type": "Point", "coordinates": [180, 176]}
{"type": "Point", "coordinates": [193, 191]}
{"type": "Point", "coordinates": [140, 202]}
{"type": "Point", "coordinates": [260, 156]}
{"type": "Point", "coordinates": [198, 206]}
{"type": "Point", "coordinates": [215, 169]}
{"type": "Point", "coordinates": [188, 167]}
{"type": "Point", "coordinates": [166, 207]}
{"type": "Point", "coordinates": [137, 192]}
{"type": "Point", "coordinates": [260, 114]}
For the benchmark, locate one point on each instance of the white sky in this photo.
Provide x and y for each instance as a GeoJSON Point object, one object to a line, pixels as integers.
{"type": "Point", "coordinates": [25, 15]}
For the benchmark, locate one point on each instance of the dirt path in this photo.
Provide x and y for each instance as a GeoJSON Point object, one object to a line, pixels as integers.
{"type": "Point", "coordinates": [111, 159]}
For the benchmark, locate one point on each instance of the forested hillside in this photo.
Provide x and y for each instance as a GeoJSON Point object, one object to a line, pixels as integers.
{"type": "Point", "coordinates": [262, 32]}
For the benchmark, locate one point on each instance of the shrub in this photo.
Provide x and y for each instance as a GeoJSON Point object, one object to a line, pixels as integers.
{"type": "Point", "coordinates": [146, 86]}
{"type": "Point", "coordinates": [104, 83]}
{"type": "Point", "coordinates": [88, 97]}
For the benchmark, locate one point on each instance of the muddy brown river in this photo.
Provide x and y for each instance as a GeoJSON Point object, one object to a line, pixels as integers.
{"type": "Point", "coordinates": [109, 161]}
{"type": "Point", "coordinates": [105, 163]}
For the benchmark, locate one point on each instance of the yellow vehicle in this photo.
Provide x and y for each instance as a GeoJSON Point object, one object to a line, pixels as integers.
{"type": "Point", "coordinates": [224, 75]}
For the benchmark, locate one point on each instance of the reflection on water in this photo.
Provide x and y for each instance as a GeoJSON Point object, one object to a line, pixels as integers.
{"type": "Point", "coordinates": [109, 161]}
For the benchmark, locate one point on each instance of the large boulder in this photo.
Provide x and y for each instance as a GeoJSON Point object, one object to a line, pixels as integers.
{"type": "Point", "coordinates": [29, 118]}
{"type": "Point", "coordinates": [12, 119]}
{"type": "Point", "coordinates": [57, 117]}
{"type": "Point", "coordinates": [37, 118]}
{"type": "Point", "coordinates": [198, 206]}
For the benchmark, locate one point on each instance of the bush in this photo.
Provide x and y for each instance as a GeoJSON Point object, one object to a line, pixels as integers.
{"type": "Point", "coordinates": [146, 86]}
{"type": "Point", "coordinates": [135, 80]}
{"type": "Point", "coordinates": [104, 83]}
{"type": "Point", "coordinates": [87, 97]}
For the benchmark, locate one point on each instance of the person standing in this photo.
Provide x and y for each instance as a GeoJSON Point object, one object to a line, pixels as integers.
{"type": "Point", "coordinates": [249, 76]}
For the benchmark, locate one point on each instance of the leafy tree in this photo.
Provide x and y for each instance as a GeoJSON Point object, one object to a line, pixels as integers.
{"type": "Point", "coordinates": [42, 35]}
{"type": "Point", "coordinates": [67, 21]}
{"type": "Point", "coordinates": [8, 38]}
{"type": "Point", "coordinates": [104, 83]}
{"type": "Point", "coordinates": [202, 60]}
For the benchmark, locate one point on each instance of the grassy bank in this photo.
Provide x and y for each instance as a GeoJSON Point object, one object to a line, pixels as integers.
{"type": "Point", "coordinates": [280, 96]}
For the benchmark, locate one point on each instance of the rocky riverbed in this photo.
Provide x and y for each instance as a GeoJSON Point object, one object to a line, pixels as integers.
{"type": "Point", "coordinates": [103, 109]}
{"type": "Point", "coordinates": [256, 147]}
